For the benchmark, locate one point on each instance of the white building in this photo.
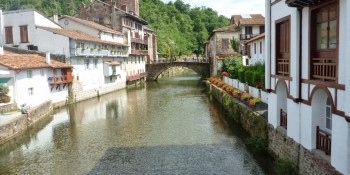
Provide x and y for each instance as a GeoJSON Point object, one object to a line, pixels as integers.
{"type": "Point", "coordinates": [307, 73]}
{"type": "Point", "coordinates": [255, 50]}
{"type": "Point", "coordinates": [33, 79]}
{"type": "Point", "coordinates": [250, 25]}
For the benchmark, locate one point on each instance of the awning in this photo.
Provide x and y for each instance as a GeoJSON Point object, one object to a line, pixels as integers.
{"type": "Point", "coordinates": [112, 63]}
{"type": "Point", "coordinates": [3, 81]}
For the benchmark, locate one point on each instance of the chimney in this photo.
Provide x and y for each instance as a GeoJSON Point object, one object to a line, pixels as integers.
{"type": "Point", "coordinates": [48, 57]}
{"type": "Point", "coordinates": [55, 17]}
{"type": "Point", "coordinates": [82, 6]}
{"type": "Point", "coordinates": [1, 50]}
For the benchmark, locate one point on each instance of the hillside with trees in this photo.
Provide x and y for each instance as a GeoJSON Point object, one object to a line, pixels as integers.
{"type": "Point", "coordinates": [180, 28]}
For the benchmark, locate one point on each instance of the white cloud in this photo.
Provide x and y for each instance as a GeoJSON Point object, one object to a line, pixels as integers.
{"type": "Point", "coordinates": [229, 7]}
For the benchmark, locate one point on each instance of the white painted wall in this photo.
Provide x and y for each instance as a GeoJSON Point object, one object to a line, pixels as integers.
{"type": "Point", "coordinates": [41, 20]}
{"type": "Point", "coordinates": [273, 114]}
{"type": "Point", "coordinates": [5, 73]}
{"type": "Point", "coordinates": [51, 42]}
{"type": "Point", "coordinates": [257, 57]}
{"type": "Point", "coordinates": [339, 144]}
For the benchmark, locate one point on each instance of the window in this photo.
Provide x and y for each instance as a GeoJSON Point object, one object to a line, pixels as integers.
{"type": "Point", "coordinates": [324, 43]}
{"type": "Point", "coordinates": [29, 74]}
{"type": "Point", "coordinates": [261, 29]}
{"type": "Point", "coordinates": [254, 48]}
{"type": "Point", "coordinates": [225, 43]}
{"type": "Point", "coordinates": [30, 91]}
{"type": "Point", "coordinates": [328, 115]}
{"type": "Point", "coordinates": [260, 47]}
{"type": "Point", "coordinates": [283, 46]}
{"type": "Point", "coordinates": [95, 63]}
{"type": "Point", "coordinates": [24, 34]}
{"type": "Point", "coordinates": [42, 72]}
{"type": "Point", "coordinates": [9, 35]}
{"type": "Point", "coordinates": [248, 30]}
{"type": "Point", "coordinates": [87, 63]}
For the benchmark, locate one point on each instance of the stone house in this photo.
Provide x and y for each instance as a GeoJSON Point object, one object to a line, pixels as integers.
{"type": "Point", "coordinates": [34, 79]}
{"type": "Point", "coordinates": [218, 47]}
{"type": "Point", "coordinates": [255, 50]}
{"type": "Point", "coordinates": [124, 17]}
{"type": "Point", "coordinates": [307, 75]}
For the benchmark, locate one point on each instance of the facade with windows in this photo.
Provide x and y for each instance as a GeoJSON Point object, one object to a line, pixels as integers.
{"type": "Point", "coordinates": [255, 50]}
{"type": "Point", "coordinates": [123, 16]}
{"type": "Point", "coordinates": [218, 47]}
{"type": "Point", "coordinates": [307, 72]}
{"type": "Point", "coordinates": [33, 79]}
{"type": "Point", "coordinates": [250, 25]}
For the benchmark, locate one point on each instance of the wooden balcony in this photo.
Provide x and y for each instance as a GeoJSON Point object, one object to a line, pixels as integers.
{"type": "Point", "coordinates": [282, 67]}
{"type": "Point", "coordinates": [323, 140]}
{"type": "Point", "coordinates": [139, 52]}
{"type": "Point", "coordinates": [283, 119]}
{"type": "Point", "coordinates": [136, 77]}
{"type": "Point", "coordinates": [96, 52]}
{"type": "Point", "coordinates": [58, 80]}
{"type": "Point", "coordinates": [324, 69]}
{"type": "Point", "coordinates": [139, 40]}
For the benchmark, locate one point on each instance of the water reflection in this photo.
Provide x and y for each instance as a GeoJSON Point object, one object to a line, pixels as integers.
{"type": "Point", "coordinates": [160, 127]}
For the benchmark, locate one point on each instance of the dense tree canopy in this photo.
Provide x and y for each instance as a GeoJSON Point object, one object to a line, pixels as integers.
{"type": "Point", "coordinates": [180, 28]}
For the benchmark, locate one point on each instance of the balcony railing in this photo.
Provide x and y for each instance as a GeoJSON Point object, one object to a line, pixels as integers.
{"type": "Point", "coordinates": [247, 36]}
{"type": "Point", "coordinates": [139, 52]}
{"type": "Point", "coordinates": [324, 69]}
{"type": "Point", "coordinates": [96, 52]}
{"type": "Point", "coordinates": [139, 40]}
{"type": "Point", "coordinates": [136, 77]}
{"type": "Point", "coordinates": [283, 67]}
{"type": "Point", "coordinates": [323, 140]}
{"type": "Point", "coordinates": [283, 119]}
{"type": "Point", "coordinates": [59, 79]}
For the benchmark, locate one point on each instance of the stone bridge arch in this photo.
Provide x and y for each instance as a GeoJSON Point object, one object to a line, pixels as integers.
{"type": "Point", "coordinates": [154, 70]}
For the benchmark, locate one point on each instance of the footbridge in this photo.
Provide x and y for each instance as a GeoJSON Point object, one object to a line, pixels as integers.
{"type": "Point", "coordinates": [154, 70]}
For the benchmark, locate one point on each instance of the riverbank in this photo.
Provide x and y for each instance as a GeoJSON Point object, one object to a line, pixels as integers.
{"type": "Point", "coordinates": [15, 123]}
{"type": "Point", "coordinates": [274, 140]}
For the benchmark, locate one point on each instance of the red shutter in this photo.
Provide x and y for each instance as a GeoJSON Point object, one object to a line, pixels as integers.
{"type": "Point", "coordinates": [9, 35]}
{"type": "Point", "coordinates": [24, 34]}
{"type": "Point", "coordinates": [248, 51]}
{"type": "Point", "coordinates": [260, 47]}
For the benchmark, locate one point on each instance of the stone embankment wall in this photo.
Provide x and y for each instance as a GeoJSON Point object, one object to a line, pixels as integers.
{"type": "Point", "coordinates": [76, 92]}
{"type": "Point", "coordinates": [20, 123]}
{"type": "Point", "coordinates": [279, 145]}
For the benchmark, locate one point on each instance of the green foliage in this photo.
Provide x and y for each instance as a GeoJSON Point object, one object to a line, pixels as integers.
{"type": "Point", "coordinates": [235, 44]}
{"type": "Point", "coordinates": [4, 98]}
{"type": "Point", "coordinates": [285, 167]}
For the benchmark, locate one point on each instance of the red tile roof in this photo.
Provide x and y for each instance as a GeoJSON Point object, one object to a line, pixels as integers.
{"type": "Point", "coordinates": [92, 24]}
{"type": "Point", "coordinates": [256, 19]}
{"type": "Point", "coordinates": [76, 34]}
{"type": "Point", "coordinates": [28, 61]}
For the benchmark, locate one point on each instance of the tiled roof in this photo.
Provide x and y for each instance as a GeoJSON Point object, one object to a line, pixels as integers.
{"type": "Point", "coordinates": [255, 38]}
{"type": "Point", "coordinates": [255, 19]}
{"type": "Point", "coordinates": [75, 34]}
{"type": "Point", "coordinates": [231, 28]}
{"type": "Point", "coordinates": [92, 24]}
{"type": "Point", "coordinates": [28, 61]}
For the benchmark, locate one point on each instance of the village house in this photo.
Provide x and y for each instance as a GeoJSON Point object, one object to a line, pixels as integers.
{"type": "Point", "coordinates": [97, 57]}
{"type": "Point", "coordinates": [33, 79]}
{"type": "Point", "coordinates": [124, 17]}
{"type": "Point", "coordinates": [250, 25]}
{"type": "Point", "coordinates": [255, 50]}
{"type": "Point", "coordinates": [218, 47]}
{"type": "Point", "coordinates": [307, 75]}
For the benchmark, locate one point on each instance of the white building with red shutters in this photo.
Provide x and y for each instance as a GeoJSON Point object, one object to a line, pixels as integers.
{"type": "Point", "coordinates": [307, 75]}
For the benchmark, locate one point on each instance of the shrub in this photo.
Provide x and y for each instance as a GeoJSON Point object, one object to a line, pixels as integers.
{"type": "Point", "coordinates": [285, 167]}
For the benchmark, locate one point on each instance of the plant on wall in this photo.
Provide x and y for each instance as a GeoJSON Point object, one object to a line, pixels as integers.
{"type": "Point", "coordinates": [4, 98]}
{"type": "Point", "coordinates": [235, 44]}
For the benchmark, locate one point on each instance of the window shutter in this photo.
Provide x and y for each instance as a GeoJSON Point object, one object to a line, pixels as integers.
{"type": "Point", "coordinates": [254, 48]}
{"type": "Point", "coordinates": [248, 51]}
{"type": "Point", "coordinates": [260, 47]}
{"type": "Point", "coordinates": [9, 35]}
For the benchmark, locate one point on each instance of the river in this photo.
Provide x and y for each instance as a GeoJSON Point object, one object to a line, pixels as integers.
{"type": "Point", "coordinates": [167, 127]}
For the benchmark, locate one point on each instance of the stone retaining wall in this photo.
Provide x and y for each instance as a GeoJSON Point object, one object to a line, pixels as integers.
{"type": "Point", "coordinates": [20, 123]}
{"type": "Point", "coordinates": [279, 144]}
{"type": "Point", "coordinates": [8, 106]}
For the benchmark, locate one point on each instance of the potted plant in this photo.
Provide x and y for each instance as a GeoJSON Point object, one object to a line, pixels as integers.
{"type": "Point", "coordinates": [99, 49]}
{"type": "Point", "coordinates": [92, 49]}
{"type": "Point", "coordinates": [245, 97]}
{"type": "Point", "coordinates": [237, 93]}
{"type": "Point", "coordinates": [254, 102]}
{"type": "Point", "coordinates": [83, 49]}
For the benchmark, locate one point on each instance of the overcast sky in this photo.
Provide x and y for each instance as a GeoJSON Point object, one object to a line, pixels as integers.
{"type": "Point", "coordinates": [229, 7]}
